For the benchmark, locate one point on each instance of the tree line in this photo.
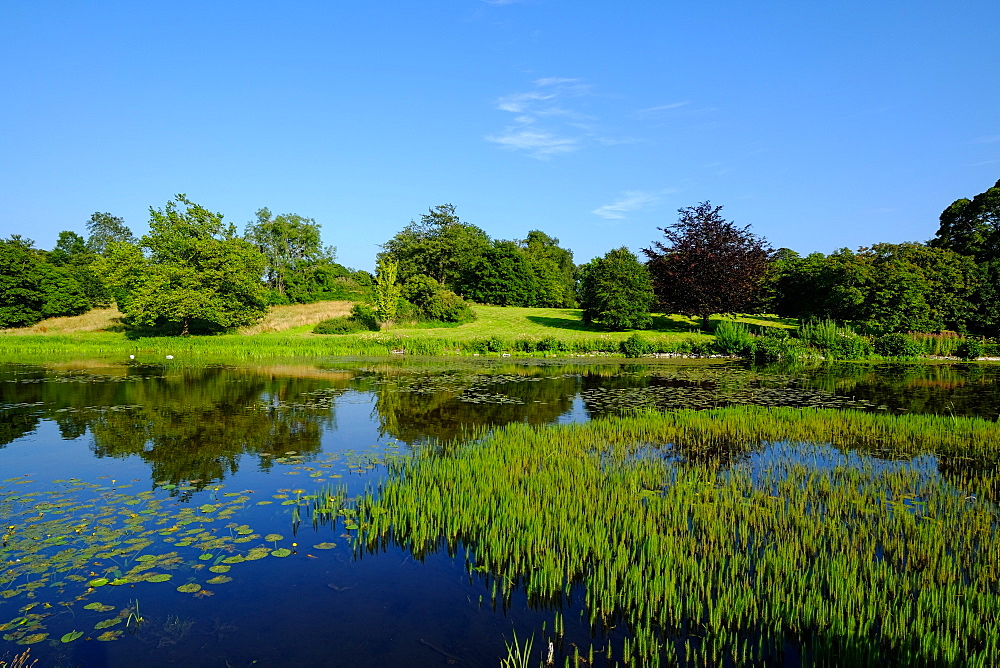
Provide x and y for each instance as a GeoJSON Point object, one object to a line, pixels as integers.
{"type": "Point", "coordinates": [192, 273]}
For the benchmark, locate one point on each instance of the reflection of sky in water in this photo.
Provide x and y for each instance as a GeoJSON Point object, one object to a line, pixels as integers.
{"type": "Point", "coordinates": [576, 414]}
{"type": "Point", "coordinates": [785, 454]}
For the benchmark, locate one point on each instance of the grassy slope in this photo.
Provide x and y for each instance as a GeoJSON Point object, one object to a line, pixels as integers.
{"type": "Point", "coordinates": [287, 330]}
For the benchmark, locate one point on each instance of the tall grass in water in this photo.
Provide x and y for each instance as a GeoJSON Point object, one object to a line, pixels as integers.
{"type": "Point", "coordinates": [710, 564]}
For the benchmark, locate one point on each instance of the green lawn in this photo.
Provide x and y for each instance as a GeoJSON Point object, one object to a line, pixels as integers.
{"type": "Point", "coordinates": [497, 329]}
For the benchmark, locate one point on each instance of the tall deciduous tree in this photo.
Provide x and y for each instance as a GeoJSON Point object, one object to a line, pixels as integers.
{"type": "Point", "coordinates": [553, 269]}
{"type": "Point", "coordinates": [440, 246]}
{"type": "Point", "coordinates": [972, 227]}
{"type": "Point", "coordinates": [198, 275]}
{"type": "Point", "coordinates": [502, 275]}
{"type": "Point", "coordinates": [32, 289]}
{"type": "Point", "coordinates": [103, 228]}
{"type": "Point", "coordinates": [294, 249]}
{"type": "Point", "coordinates": [707, 265]}
{"type": "Point", "coordinates": [616, 291]}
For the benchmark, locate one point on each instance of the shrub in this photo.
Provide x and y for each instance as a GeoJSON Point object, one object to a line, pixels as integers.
{"type": "Point", "coordinates": [342, 325]}
{"type": "Point", "coordinates": [733, 338]}
{"type": "Point", "coordinates": [823, 334]}
{"type": "Point", "coordinates": [851, 346]}
{"type": "Point", "coordinates": [898, 345]}
{"type": "Point", "coordinates": [365, 315]}
{"type": "Point", "coordinates": [969, 350]}
{"type": "Point", "coordinates": [635, 346]}
{"type": "Point", "coordinates": [436, 302]}
{"type": "Point", "coordinates": [551, 344]}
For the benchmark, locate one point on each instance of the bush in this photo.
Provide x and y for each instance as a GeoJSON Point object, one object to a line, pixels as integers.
{"type": "Point", "coordinates": [822, 334]}
{"type": "Point", "coordinates": [365, 315]}
{"type": "Point", "coordinates": [969, 350]}
{"type": "Point", "coordinates": [851, 346]}
{"type": "Point", "coordinates": [897, 345]}
{"type": "Point", "coordinates": [551, 344]}
{"type": "Point", "coordinates": [635, 346]}
{"type": "Point", "coordinates": [436, 302]}
{"type": "Point", "coordinates": [733, 338]}
{"type": "Point", "coordinates": [342, 325]}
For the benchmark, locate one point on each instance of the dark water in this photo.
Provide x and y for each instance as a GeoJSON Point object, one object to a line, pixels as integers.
{"type": "Point", "coordinates": [186, 436]}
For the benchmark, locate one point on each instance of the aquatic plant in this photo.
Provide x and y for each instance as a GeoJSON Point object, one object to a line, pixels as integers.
{"type": "Point", "coordinates": [676, 531]}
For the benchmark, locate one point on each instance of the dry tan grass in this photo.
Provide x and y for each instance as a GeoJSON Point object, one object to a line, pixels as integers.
{"type": "Point", "coordinates": [97, 320]}
{"type": "Point", "coordinates": [281, 318]}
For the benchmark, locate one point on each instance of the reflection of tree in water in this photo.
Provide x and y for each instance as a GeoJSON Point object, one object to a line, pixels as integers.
{"type": "Point", "coordinates": [446, 406]}
{"type": "Point", "coordinates": [193, 426]}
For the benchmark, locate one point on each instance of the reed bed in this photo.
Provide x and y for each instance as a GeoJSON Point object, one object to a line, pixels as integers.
{"type": "Point", "coordinates": [703, 556]}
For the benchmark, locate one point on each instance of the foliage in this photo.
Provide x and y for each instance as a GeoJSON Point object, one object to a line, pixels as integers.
{"type": "Point", "coordinates": [553, 270]}
{"type": "Point", "coordinates": [365, 315]}
{"type": "Point", "coordinates": [884, 288]}
{"type": "Point", "coordinates": [733, 338]}
{"type": "Point", "coordinates": [299, 269]}
{"type": "Point", "coordinates": [340, 325]}
{"type": "Point", "coordinates": [636, 346]}
{"type": "Point", "coordinates": [32, 289]}
{"type": "Point", "coordinates": [387, 289]}
{"type": "Point", "coordinates": [615, 291]}
{"type": "Point", "coordinates": [898, 345]}
{"type": "Point", "coordinates": [75, 256]}
{"type": "Point", "coordinates": [440, 246]}
{"type": "Point", "coordinates": [103, 228]}
{"type": "Point", "coordinates": [972, 227]}
{"type": "Point", "coordinates": [501, 275]}
{"type": "Point", "coordinates": [198, 276]}
{"type": "Point", "coordinates": [708, 265]}
{"type": "Point", "coordinates": [435, 302]}
{"type": "Point", "coordinates": [970, 350]}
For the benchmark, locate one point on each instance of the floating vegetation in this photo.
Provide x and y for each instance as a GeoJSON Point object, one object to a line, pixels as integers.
{"type": "Point", "coordinates": [700, 554]}
{"type": "Point", "coordinates": [65, 541]}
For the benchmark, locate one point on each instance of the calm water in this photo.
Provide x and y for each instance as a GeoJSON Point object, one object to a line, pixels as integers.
{"type": "Point", "coordinates": [183, 438]}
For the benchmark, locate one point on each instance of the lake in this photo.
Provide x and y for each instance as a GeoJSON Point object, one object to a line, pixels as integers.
{"type": "Point", "coordinates": [160, 514]}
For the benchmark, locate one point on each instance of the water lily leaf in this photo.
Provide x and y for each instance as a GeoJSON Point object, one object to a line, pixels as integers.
{"type": "Point", "coordinates": [71, 636]}
{"type": "Point", "coordinates": [110, 635]}
{"type": "Point", "coordinates": [273, 537]}
{"type": "Point", "coordinates": [325, 546]}
{"type": "Point", "coordinates": [206, 556]}
{"type": "Point", "coordinates": [33, 638]}
{"type": "Point", "coordinates": [158, 577]}
{"type": "Point", "coordinates": [257, 553]}
{"type": "Point", "coordinates": [219, 568]}
{"type": "Point", "coordinates": [235, 559]}
{"type": "Point", "coordinates": [281, 552]}
{"type": "Point", "coordinates": [220, 579]}
{"type": "Point", "coordinates": [189, 588]}
{"type": "Point", "coordinates": [100, 607]}
{"type": "Point", "coordinates": [98, 582]}
{"type": "Point", "coordinates": [105, 623]}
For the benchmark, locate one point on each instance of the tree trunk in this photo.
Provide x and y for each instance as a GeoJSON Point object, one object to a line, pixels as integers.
{"type": "Point", "coordinates": [705, 325]}
{"type": "Point", "coordinates": [184, 330]}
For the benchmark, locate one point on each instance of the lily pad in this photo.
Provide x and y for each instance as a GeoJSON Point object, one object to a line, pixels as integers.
{"type": "Point", "coordinates": [71, 636]}
{"type": "Point", "coordinates": [273, 537]}
{"type": "Point", "coordinates": [110, 635]}
{"type": "Point", "coordinates": [98, 582]}
{"type": "Point", "coordinates": [158, 577]}
{"type": "Point", "coordinates": [189, 588]}
{"type": "Point", "coordinates": [325, 546]}
{"type": "Point", "coordinates": [100, 607]}
{"type": "Point", "coordinates": [220, 579]}
{"type": "Point", "coordinates": [281, 552]}
{"type": "Point", "coordinates": [106, 623]}
{"type": "Point", "coordinates": [219, 568]}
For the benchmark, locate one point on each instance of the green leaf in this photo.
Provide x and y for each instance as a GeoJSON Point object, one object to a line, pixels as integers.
{"type": "Point", "coordinates": [71, 636]}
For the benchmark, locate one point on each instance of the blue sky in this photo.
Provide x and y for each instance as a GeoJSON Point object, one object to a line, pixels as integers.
{"type": "Point", "coordinates": [822, 125]}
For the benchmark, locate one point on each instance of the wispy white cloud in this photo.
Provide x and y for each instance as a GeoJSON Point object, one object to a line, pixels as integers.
{"type": "Point", "coordinates": [545, 123]}
{"type": "Point", "coordinates": [632, 200]}
{"type": "Point", "coordinates": [664, 107]}
{"type": "Point", "coordinates": [539, 144]}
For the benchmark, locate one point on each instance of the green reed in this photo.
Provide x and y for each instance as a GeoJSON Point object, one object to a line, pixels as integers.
{"type": "Point", "coordinates": [709, 562]}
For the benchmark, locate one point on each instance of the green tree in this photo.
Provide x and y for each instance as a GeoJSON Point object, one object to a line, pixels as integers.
{"type": "Point", "coordinates": [72, 253]}
{"type": "Point", "coordinates": [553, 270]}
{"type": "Point", "coordinates": [436, 302]}
{"type": "Point", "coordinates": [501, 275]}
{"type": "Point", "coordinates": [32, 289]}
{"type": "Point", "coordinates": [294, 249]}
{"type": "Point", "coordinates": [708, 265]}
{"type": "Point", "coordinates": [972, 227]}
{"type": "Point", "coordinates": [103, 228]}
{"type": "Point", "coordinates": [440, 246]}
{"type": "Point", "coordinates": [387, 289]}
{"type": "Point", "coordinates": [198, 275]}
{"type": "Point", "coordinates": [616, 291]}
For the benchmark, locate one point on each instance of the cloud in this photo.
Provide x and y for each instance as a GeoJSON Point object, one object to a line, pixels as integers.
{"type": "Point", "coordinates": [664, 107]}
{"type": "Point", "coordinates": [539, 144]}
{"type": "Point", "coordinates": [545, 124]}
{"type": "Point", "coordinates": [632, 200]}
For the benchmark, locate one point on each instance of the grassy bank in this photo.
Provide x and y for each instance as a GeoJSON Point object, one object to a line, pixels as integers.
{"type": "Point", "coordinates": [810, 553]}
{"type": "Point", "coordinates": [287, 331]}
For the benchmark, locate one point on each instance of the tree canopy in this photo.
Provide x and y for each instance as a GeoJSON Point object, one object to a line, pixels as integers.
{"type": "Point", "coordinates": [198, 274]}
{"type": "Point", "coordinates": [616, 291]}
{"type": "Point", "coordinates": [972, 227]}
{"type": "Point", "coordinates": [708, 265]}
{"type": "Point", "coordinates": [32, 289]}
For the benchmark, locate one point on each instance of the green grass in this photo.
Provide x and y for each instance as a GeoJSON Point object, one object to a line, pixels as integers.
{"type": "Point", "coordinates": [698, 561]}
